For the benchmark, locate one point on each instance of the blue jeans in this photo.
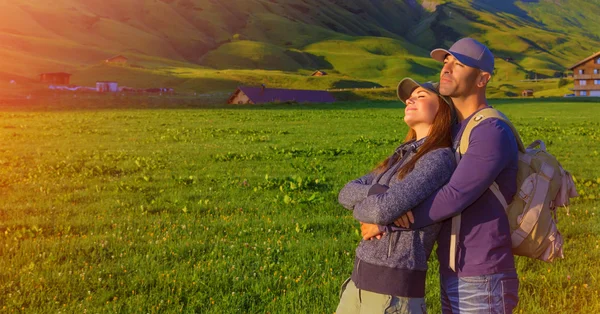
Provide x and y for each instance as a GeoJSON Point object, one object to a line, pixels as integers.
{"type": "Point", "coordinates": [489, 294]}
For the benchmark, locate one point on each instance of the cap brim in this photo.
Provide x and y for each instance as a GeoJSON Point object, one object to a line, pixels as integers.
{"type": "Point", "coordinates": [405, 88]}
{"type": "Point", "coordinates": [407, 85]}
{"type": "Point", "coordinates": [440, 54]}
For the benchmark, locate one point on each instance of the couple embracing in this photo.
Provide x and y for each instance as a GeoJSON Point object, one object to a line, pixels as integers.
{"type": "Point", "coordinates": [425, 192]}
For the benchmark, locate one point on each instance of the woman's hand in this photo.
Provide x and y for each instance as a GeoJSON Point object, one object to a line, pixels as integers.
{"type": "Point", "coordinates": [405, 220]}
{"type": "Point", "coordinates": [370, 231]}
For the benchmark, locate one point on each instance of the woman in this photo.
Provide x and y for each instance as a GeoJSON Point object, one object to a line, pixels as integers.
{"type": "Point", "coordinates": [389, 273]}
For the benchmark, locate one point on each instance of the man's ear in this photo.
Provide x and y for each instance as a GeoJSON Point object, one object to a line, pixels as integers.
{"type": "Point", "coordinates": [484, 78]}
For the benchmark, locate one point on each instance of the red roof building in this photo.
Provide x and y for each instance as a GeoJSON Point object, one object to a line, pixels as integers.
{"type": "Point", "coordinates": [319, 73]}
{"type": "Point", "coordinates": [60, 78]}
{"type": "Point", "coordinates": [261, 95]}
{"type": "Point", "coordinates": [527, 93]}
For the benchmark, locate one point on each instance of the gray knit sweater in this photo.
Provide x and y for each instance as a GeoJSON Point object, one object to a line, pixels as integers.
{"type": "Point", "coordinates": [397, 263]}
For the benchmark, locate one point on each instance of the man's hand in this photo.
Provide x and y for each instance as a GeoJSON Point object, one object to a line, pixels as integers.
{"type": "Point", "coordinates": [370, 231]}
{"type": "Point", "coordinates": [404, 220]}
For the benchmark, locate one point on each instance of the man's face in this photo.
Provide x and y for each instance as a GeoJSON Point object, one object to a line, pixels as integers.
{"type": "Point", "coordinates": [457, 79]}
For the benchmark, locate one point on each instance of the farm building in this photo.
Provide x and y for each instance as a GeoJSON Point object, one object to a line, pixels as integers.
{"type": "Point", "coordinates": [261, 95]}
{"type": "Point", "coordinates": [117, 59]}
{"type": "Point", "coordinates": [60, 78]}
{"type": "Point", "coordinates": [586, 76]}
{"type": "Point", "coordinates": [527, 93]}
{"type": "Point", "coordinates": [319, 73]}
{"type": "Point", "coordinates": [107, 86]}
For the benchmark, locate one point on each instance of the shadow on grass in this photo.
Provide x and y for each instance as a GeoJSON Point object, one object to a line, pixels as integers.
{"type": "Point", "coordinates": [355, 84]}
{"type": "Point", "coordinates": [498, 8]}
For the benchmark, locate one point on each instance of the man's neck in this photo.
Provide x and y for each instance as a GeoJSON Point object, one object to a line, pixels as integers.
{"type": "Point", "coordinates": [466, 106]}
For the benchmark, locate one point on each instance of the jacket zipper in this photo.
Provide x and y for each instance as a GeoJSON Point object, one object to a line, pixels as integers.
{"type": "Point", "coordinates": [403, 156]}
{"type": "Point", "coordinates": [389, 245]}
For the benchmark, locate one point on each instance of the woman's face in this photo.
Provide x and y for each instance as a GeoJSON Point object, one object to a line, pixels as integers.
{"type": "Point", "coordinates": [421, 107]}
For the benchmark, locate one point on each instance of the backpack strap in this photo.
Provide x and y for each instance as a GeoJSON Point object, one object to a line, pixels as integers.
{"type": "Point", "coordinates": [463, 145]}
{"type": "Point", "coordinates": [454, 231]}
{"type": "Point", "coordinates": [496, 190]}
{"type": "Point", "coordinates": [481, 116]}
{"type": "Point", "coordinates": [455, 227]}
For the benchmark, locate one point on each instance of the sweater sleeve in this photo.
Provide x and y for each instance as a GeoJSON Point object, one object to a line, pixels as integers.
{"type": "Point", "coordinates": [431, 171]}
{"type": "Point", "coordinates": [492, 146]}
{"type": "Point", "coordinates": [355, 191]}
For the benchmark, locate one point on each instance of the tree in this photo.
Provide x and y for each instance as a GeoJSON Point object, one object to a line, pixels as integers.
{"type": "Point", "coordinates": [562, 82]}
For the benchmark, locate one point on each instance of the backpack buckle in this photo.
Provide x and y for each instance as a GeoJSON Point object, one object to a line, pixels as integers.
{"type": "Point", "coordinates": [524, 196]}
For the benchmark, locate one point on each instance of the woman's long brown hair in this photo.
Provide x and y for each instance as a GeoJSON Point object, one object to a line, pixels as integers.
{"type": "Point", "coordinates": [439, 136]}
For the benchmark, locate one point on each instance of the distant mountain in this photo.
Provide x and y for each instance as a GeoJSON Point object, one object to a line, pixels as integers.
{"type": "Point", "coordinates": [211, 45]}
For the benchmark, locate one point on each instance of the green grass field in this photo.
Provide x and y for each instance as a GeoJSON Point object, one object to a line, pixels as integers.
{"type": "Point", "coordinates": [234, 209]}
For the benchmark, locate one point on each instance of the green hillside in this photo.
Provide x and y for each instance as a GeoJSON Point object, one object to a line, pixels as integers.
{"type": "Point", "coordinates": [205, 45]}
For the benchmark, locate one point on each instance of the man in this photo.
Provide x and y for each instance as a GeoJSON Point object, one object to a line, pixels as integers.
{"type": "Point", "coordinates": [479, 275]}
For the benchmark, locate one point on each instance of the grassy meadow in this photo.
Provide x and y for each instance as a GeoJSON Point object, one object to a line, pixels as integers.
{"type": "Point", "coordinates": [234, 209]}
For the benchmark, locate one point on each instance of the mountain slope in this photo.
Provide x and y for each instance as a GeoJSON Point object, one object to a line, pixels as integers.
{"type": "Point", "coordinates": [361, 42]}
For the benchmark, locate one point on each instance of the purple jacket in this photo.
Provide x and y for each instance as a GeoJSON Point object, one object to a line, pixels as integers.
{"type": "Point", "coordinates": [484, 243]}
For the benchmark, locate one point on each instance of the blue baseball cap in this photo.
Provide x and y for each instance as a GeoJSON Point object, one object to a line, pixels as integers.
{"type": "Point", "coordinates": [469, 52]}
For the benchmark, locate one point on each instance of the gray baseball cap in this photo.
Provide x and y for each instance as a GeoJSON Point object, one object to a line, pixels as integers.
{"type": "Point", "coordinates": [470, 52]}
{"type": "Point", "coordinates": [408, 85]}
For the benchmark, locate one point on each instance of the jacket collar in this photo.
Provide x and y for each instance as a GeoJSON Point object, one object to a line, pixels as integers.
{"type": "Point", "coordinates": [409, 146]}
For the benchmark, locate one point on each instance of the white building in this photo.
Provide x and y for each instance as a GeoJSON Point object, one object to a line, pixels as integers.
{"type": "Point", "coordinates": [107, 86]}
